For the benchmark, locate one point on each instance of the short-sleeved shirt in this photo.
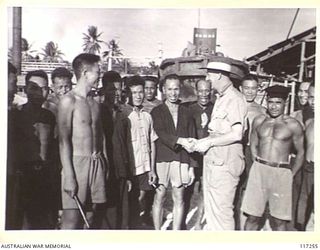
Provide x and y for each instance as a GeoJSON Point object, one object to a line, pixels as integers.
{"type": "Point", "coordinates": [229, 109]}
{"type": "Point", "coordinates": [142, 135]}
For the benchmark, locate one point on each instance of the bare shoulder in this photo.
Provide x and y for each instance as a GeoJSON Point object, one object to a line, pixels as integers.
{"type": "Point", "coordinates": [294, 124]}
{"type": "Point", "coordinates": [259, 119]}
{"type": "Point", "coordinates": [67, 100]}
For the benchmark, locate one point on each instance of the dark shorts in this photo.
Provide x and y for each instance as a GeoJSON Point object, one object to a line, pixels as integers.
{"type": "Point", "coordinates": [142, 182]}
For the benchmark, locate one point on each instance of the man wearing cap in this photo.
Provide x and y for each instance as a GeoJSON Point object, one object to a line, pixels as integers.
{"type": "Point", "coordinates": [223, 159]}
{"type": "Point", "coordinates": [270, 178]}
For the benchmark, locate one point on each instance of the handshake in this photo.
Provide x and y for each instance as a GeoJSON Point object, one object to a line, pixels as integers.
{"type": "Point", "coordinates": [195, 145]}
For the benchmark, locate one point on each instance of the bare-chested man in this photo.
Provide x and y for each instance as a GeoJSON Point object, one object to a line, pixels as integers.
{"type": "Point", "coordinates": [306, 198]}
{"type": "Point", "coordinates": [81, 145]}
{"type": "Point", "coordinates": [270, 177]}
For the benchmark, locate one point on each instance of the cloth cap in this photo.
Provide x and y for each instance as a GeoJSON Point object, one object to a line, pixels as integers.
{"type": "Point", "coordinates": [278, 91]}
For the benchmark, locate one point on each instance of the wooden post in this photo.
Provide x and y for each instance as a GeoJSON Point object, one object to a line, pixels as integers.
{"type": "Point", "coordinates": [302, 59]}
{"type": "Point", "coordinates": [293, 90]}
{"type": "Point", "coordinates": [16, 37]}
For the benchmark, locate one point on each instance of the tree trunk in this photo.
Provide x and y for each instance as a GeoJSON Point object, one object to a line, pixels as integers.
{"type": "Point", "coordinates": [16, 46]}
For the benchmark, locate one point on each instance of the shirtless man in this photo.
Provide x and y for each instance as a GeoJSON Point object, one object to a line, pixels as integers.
{"type": "Point", "coordinates": [306, 202]}
{"type": "Point", "coordinates": [270, 177]}
{"type": "Point", "coordinates": [81, 145]}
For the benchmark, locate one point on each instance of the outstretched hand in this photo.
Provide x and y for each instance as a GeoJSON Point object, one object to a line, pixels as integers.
{"type": "Point", "coordinates": [188, 144]}
{"type": "Point", "coordinates": [202, 145]}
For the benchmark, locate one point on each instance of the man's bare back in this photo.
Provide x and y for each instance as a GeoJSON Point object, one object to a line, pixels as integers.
{"type": "Point", "coordinates": [275, 137]}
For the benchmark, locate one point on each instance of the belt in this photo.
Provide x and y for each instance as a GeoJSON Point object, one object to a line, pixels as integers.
{"type": "Point", "coordinates": [273, 164]}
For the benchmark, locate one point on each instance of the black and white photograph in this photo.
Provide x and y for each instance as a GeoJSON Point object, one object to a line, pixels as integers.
{"type": "Point", "coordinates": [193, 119]}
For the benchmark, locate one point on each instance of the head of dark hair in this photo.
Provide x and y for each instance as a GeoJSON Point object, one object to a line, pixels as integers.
{"type": "Point", "coordinates": [135, 80]}
{"type": "Point", "coordinates": [250, 78]}
{"type": "Point", "coordinates": [151, 78]}
{"type": "Point", "coordinates": [83, 60]}
{"type": "Point", "coordinates": [61, 72]}
{"type": "Point", "coordinates": [39, 73]}
{"type": "Point", "coordinates": [168, 77]}
{"type": "Point", "coordinates": [110, 77]}
{"type": "Point", "coordinates": [199, 80]}
{"type": "Point", "coordinates": [12, 68]}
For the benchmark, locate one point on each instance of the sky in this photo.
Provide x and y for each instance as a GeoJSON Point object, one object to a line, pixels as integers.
{"type": "Point", "coordinates": [241, 33]}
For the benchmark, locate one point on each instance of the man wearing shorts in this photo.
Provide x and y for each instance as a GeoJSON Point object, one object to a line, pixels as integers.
{"type": "Point", "coordinates": [81, 145]}
{"type": "Point", "coordinates": [270, 178]}
{"type": "Point", "coordinates": [134, 145]}
{"type": "Point", "coordinates": [173, 125]}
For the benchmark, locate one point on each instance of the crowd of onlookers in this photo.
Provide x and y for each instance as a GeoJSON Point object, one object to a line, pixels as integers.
{"type": "Point", "coordinates": [82, 157]}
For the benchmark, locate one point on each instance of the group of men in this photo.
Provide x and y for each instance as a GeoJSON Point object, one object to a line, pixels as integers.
{"type": "Point", "coordinates": [109, 165]}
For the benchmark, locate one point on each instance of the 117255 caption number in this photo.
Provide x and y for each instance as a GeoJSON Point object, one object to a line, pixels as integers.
{"type": "Point", "coordinates": [309, 245]}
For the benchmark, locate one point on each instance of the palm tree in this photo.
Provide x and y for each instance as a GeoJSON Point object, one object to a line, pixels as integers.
{"type": "Point", "coordinates": [91, 41]}
{"type": "Point", "coordinates": [113, 51]}
{"type": "Point", "coordinates": [154, 68]}
{"type": "Point", "coordinates": [52, 52]}
{"type": "Point", "coordinates": [26, 50]}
